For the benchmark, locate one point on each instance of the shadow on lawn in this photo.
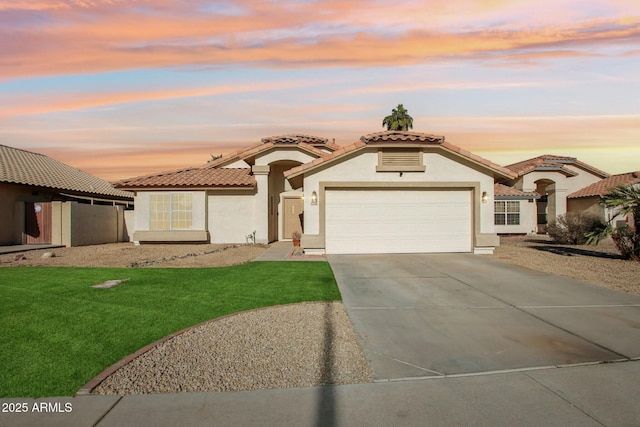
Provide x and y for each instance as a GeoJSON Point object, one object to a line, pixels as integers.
{"type": "Point", "coordinates": [568, 251]}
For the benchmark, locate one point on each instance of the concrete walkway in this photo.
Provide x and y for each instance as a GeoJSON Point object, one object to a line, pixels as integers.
{"type": "Point", "coordinates": [23, 248]}
{"type": "Point", "coordinates": [281, 251]}
{"type": "Point", "coordinates": [577, 396]}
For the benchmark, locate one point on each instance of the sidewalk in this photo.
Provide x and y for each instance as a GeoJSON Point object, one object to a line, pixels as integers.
{"type": "Point", "coordinates": [593, 395]}
{"type": "Point", "coordinates": [281, 251]}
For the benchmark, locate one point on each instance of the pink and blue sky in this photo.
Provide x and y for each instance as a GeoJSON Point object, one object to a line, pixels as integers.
{"type": "Point", "coordinates": [121, 88]}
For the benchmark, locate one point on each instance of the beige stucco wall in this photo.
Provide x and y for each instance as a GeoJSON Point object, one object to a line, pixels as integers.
{"type": "Point", "coordinates": [95, 224]}
{"type": "Point", "coordinates": [528, 220]}
{"type": "Point", "coordinates": [129, 225]}
{"type": "Point", "coordinates": [592, 205]}
{"type": "Point", "coordinates": [292, 153]}
{"type": "Point", "coordinates": [231, 215]}
{"type": "Point", "coordinates": [238, 164]}
{"type": "Point", "coordinates": [439, 168]}
{"type": "Point", "coordinates": [589, 205]}
{"type": "Point", "coordinates": [564, 185]}
{"type": "Point", "coordinates": [81, 224]}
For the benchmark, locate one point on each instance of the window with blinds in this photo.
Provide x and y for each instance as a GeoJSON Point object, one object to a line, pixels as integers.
{"type": "Point", "coordinates": [506, 212]}
{"type": "Point", "coordinates": [400, 160]}
{"type": "Point", "coordinates": [170, 211]}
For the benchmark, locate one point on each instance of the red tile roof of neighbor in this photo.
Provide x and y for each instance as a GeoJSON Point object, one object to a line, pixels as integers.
{"type": "Point", "coordinates": [404, 137]}
{"type": "Point", "coordinates": [501, 190]}
{"type": "Point", "coordinates": [553, 162]}
{"type": "Point", "coordinates": [601, 187]}
{"type": "Point", "coordinates": [193, 178]}
{"type": "Point", "coordinates": [29, 168]}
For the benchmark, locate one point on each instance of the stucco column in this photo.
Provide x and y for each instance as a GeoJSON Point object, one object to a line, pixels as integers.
{"type": "Point", "coordinates": [261, 220]}
{"type": "Point", "coordinates": [561, 201]}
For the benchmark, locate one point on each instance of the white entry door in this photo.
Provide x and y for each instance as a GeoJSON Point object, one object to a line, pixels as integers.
{"type": "Point", "coordinates": [398, 221]}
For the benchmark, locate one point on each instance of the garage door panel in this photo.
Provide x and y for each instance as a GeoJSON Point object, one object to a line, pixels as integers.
{"type": "Point", "coordinates": [397, 221]}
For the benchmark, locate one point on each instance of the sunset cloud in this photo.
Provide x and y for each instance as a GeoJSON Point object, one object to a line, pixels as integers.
{"type": "Point", "coordinates": [128, 87]}
{"type": "Point", "coordinates": [22, 105]}
{"type": "Point", "coordinates": [315, 34]}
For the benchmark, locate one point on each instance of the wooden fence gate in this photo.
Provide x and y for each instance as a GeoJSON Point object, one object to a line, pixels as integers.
{"type": "Point", "coordinates": [38, 223]}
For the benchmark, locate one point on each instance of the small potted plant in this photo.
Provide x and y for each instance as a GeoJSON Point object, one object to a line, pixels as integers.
{"type": "Point", "coordinates": [295, 236]}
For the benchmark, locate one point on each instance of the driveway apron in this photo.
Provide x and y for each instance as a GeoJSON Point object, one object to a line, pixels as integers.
{"type": "Point", "coordinates": [424, 315]}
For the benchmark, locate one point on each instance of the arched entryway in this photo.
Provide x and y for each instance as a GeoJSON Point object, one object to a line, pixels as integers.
{"type": "Point", "coordinates": [277, 184]}
{"type": "Point", "coordinates": [546, 204]}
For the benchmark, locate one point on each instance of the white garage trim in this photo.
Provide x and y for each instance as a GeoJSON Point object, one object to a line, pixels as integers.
{"type": "Point", "coordinates": [416, 220]}
{"type": "Point", "coordinates": [317, 243]}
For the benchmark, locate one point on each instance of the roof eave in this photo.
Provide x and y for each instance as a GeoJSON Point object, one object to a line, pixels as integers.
{"type": "Point", "coordinates": [189, 187]}
{"type": "Point", "coordinates": [518, 197]}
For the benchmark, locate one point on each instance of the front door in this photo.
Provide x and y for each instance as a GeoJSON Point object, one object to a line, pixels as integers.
{"type": "Point", "coordinates": [292, 212]}
{"type": "Point", "coordinates": [38, 223]}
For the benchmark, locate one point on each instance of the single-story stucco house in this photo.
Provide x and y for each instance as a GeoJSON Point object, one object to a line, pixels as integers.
{"type": "Point", "coordinates": [392, 191]}
{"type": "Point", "coordinates": [44, 201]}
{"type": "Point", "coordinates": [389, 192]}
{"type": "Point", "coordinates": [553, 178]}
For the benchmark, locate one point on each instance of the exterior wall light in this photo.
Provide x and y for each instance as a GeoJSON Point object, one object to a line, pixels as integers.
{"type": "Point", "coordinates": [485, 197]}
{"type": "Point", "coordinates": [314, 198]}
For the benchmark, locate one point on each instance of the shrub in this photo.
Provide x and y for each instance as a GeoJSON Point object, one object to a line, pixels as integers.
{"type": "Point", "coordinates": [572, 228]}
{"type": "Point", "coordinates": [627, 242]}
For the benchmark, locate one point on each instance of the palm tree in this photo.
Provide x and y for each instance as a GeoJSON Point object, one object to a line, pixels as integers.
{"type": "Point", "coordinates": [624, 200]}
{"type": "Point", "coordinates": [399, 119]}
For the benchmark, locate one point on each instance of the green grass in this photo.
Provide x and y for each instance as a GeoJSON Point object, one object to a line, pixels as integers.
{"type": "Point", "coordinates": [56, 332]}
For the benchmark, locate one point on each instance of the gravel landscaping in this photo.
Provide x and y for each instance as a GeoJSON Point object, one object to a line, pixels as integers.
{"type": "Point", "coordinates": [299, 345]}
{"type": "Point", "coordinates": [600, 265]}
{"type": "Point", "coordinates": [130, 255]}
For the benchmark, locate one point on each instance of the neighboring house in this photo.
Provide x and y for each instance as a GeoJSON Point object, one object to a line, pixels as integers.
{"type": "Point", "coordinates": [588, 198]}
{"type": "Point", "coordinates": [390, 192]}
{"type": "Point", "coordinates": [553, 178]}
{"type": "Point", "coordinates": [44, 201]}
{"type": "Point", "coordinates": [514, 210]}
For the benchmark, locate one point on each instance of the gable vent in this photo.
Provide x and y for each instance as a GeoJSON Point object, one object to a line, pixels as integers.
{"type": "Point", "coordinates": [400, 161]}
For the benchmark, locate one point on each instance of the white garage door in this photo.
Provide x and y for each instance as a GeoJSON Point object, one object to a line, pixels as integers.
{"type": "Point", "coordinates": [397, 221]}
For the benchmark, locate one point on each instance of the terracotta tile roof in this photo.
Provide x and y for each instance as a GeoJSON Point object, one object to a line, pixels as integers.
{"type": "Point", "coordinates": [601, 187]}
{"type": "Point", "coordinates": [501, 190]}
{"type": "Point", "coordinates": [332, 146]}
{"type": "Point", "coordinates": [233, 156]}
{"type": "Point", "coordinates": [193, 177]}
{"type": "Point", "coordinates": [29, 168]}
{"type": "Point", "coordinates": [553, 162]}
{"type": "Point", "coordinates": [402, 137]}
{"type": "Point", "coordinates": [308, 142]}
{"type": "Point", "coordinates": [296, 138]}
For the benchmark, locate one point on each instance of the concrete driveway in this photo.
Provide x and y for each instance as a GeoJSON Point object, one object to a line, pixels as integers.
{"type": "Point", "coordinates": [426, 315]}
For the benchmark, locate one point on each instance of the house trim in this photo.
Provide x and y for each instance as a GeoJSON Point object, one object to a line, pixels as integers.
{"type": "Point", "coordinates": [171, 236]}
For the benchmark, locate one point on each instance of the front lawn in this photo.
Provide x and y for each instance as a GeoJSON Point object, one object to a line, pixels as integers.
{"type": "Point", "coordinates": [57, 332]}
